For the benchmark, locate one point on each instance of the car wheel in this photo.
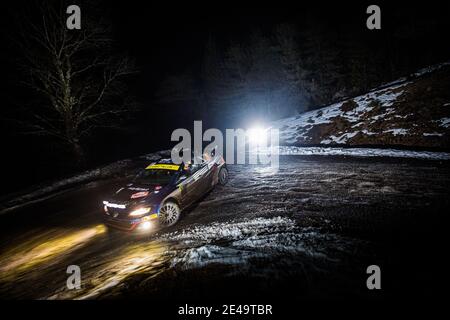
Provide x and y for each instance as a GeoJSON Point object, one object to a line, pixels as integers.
{"type": "Point", "coordinates": [223, 176]}
{"type": "Point", "coordinates": [169, 214]}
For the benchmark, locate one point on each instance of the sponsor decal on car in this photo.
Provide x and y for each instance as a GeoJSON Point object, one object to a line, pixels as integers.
{"type": "Point", "coordinates": [164, 166]}
{"type": "Point", "coordinates": [137, 189]}
{"type": "Point", "coordinates": [139, 195]}
{"type": "Point", "coordinates": [114, 205]}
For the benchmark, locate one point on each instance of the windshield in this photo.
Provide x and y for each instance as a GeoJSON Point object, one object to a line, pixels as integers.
{"type": "Point", "coordinates": [155, 176]}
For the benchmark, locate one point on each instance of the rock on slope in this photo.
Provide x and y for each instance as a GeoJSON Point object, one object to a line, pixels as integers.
{"type": "Point", "coordinates": [413, 111]}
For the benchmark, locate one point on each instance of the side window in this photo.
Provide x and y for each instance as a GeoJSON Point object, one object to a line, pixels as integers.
{"type": "Point", "coordinates": [191, 168]}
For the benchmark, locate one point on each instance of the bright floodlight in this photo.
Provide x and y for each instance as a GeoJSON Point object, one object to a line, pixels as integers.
{"type": "Point", "coordinates": [257, 136]}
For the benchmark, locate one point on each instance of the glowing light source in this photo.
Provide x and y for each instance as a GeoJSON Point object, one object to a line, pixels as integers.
{"type": "Point", "coordinates": [146, 225]}
{"type": "Point", "coordinates": [257, 135]}
{"type": "Point", "coordinates": [139, 212]}
{"type": "Point", "coordinates": [36, 251]}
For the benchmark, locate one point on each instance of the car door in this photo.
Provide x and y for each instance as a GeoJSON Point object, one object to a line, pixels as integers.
{"type": "Point", "coordinates": [203, 177]}
{"type": "Point", "coordinates": [189, 188]}
{"type": "Point", "coordinates": [185, 189]}
{"type": "Point", "coordinates": [208, 177]}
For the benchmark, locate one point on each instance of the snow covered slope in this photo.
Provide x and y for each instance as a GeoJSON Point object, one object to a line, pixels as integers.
{"type": "Point", "coordinates": [412, 111]}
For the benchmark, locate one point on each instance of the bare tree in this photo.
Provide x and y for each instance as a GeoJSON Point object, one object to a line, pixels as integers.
{"type": "Point", "coordinates": [76, 76]}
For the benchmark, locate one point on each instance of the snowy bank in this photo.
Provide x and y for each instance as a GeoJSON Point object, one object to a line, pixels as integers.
{"type": "Point", "coordinates": [410, 112]}
{"type": "Point", "coordinates": [238, 241]}
{"type": "Point", "coordinates": [362, 152]}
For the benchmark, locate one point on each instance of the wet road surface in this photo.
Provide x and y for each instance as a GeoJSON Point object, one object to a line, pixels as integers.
{"type": "Point", "coordinates": [307, 230]}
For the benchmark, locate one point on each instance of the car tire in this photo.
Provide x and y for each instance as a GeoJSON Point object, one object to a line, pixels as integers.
{"type": "Point", "coordinates": [223, 176]}
{"type": "Point", "coordinates": [169, 214]}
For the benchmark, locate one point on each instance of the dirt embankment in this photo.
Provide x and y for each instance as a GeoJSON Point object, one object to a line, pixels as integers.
{"type": "Point", "coordinates": [414, 112]}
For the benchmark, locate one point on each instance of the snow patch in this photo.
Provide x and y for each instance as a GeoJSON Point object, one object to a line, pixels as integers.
{"type": "Point", "coordinates": [294, 128]}
{"type": "Point", "coordinates": [369, 133]}
{"type": "Point", "coordinates": [340, 139]}
{"type": "Point", "coordinates": [359, 112]}
{"type": "Point", "coordinates": [430, 69]}
{"type": "Point", "coordinates": [236, 242]}
{"type": "Point", "coordinates": [433, 134]}
{"type": "Point", "coordinates": [362, 152]}
{"type": "Point", "coordinates": [229, 230]}
{"type": "Point", "coordinates": [397, 131]}
{"type": "Point", "coordinates": [444, 122]}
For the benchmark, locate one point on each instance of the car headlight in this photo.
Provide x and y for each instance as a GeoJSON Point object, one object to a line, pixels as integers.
{"type": "Point", "coordinates": [139, 212]}
{"type": "Point", "coordinates": [145, 226]}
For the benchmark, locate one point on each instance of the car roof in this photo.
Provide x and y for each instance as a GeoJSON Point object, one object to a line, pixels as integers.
{"type": "Point", "coordinates": [167, 160]}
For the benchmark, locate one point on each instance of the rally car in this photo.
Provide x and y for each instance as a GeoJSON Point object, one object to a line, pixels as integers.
{"type": "Point", "coordinates": [160, 192]}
